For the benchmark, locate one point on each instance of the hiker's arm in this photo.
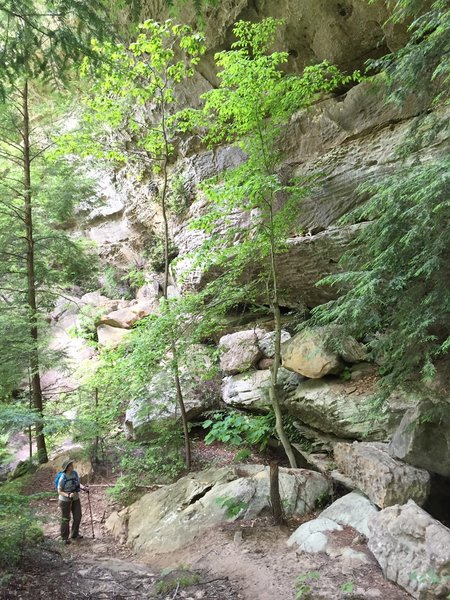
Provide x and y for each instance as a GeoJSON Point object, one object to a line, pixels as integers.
{"type": "Point", "coordinates": [85, 488]}
{"type": "Point", "coordinates": [62, 492]}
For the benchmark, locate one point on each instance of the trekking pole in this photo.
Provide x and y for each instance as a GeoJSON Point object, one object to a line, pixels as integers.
{"type": "Point", "coordinates": [90, 510]}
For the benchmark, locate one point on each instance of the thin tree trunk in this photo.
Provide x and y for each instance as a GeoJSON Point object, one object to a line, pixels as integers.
{"type": "Point", "coordinates": [30, 404]}
{"type": "Point", "coordinates": [31, 281]}
{"type": "Point", "coordinates": [273, 389]}
{"type": "Point", "coordinates": [187, 442]}
{"type": "Point", "coordinates": [176, 372]}
{"type": "Point", "coordinates": [96, 442]}
{"type": "Point", "coordinates": [275, 498]}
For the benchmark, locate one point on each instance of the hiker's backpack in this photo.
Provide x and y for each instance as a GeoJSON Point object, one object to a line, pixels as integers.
{"type": "Point", "coordinates": [58, 477]}
{"type": "Point", "coordinates": [62, 474]}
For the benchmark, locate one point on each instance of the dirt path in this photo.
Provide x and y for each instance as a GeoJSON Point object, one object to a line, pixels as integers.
{"type": "Point", "coordinates": [239, 561]}
{"type": "Point", "coordinates": [98, 568]}
{"type": "Point", "coordinates": [258, 562]}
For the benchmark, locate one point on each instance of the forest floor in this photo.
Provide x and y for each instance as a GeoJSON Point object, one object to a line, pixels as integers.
{"type": "Point", "coordinates": [238, 561]}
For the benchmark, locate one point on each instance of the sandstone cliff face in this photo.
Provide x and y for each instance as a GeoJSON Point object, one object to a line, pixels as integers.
{"type": "Point", "coordinates": [349, 139]}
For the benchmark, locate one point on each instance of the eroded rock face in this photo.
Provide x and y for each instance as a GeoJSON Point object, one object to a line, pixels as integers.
{"type": "Point", "coordinates": [423, 438]}
{"type": "Point", "coordinates": [160, 401]}
{"type": "Point", "coordinates": [175, 515]}
{"type": "Point", "coordinates": [413, 549]}
{"type": "Point", "coordinates": [345, 32]}
{"type": "Point", "coordinates": [249, 390]}
{"type": "Point", "coordinates": [384, 480]}
{"type": "Point", "coordinates": [240, 351]}
{"type": "Point", "coordinates": [338, 407]}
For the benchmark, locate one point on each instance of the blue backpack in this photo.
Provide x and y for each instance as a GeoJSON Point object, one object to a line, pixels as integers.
{"type": "Point", "coordinates": [62, 474]}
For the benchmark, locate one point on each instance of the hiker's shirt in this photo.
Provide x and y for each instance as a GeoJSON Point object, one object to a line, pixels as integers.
{"type": "Point", "coordinates": [69, 484]}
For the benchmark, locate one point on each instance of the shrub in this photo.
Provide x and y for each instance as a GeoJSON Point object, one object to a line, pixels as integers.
{"type": "Point", "coordinates": [141, 466]}
{"type": "Point", "coordinates": [18, 527]}
{"type": "Point", "coordinates": [236, 429]}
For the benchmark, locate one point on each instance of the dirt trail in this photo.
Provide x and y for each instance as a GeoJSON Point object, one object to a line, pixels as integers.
{"type": "Point", "coordinates": [239, 561]}
{"type": "Point", "coordinates": [99, 568]}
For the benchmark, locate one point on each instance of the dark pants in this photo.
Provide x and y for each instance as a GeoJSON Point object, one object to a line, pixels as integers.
{"type": "Point", "coordinates": [73, 507]}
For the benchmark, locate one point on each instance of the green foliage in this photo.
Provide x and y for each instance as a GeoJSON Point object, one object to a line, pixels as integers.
{"type": "Point", "coordinates": [303, 588]}
{"type": "Point", "coordinates": [160, 462]}
{"type": "Point", "coordinates": [135, 278]}
{"type": "Point", "coordinates": [346, 374]}
{"type": "Point", "coordinates": [431, 580]}
{"type": "Point", "coordinates": [422, 66]}
{"type": "Point", "coordinates": [18, 527]}
{"type": "Point", "coordinates": [88, 320]}
{"type": "Point", "coordinates": [178, 199]}
{"type": "Point", "coordinates": [5, 453]}
{"type": "Point", "coordinates": [250, 108]}
{"type": "Point", "coordinates": [44, 39]}
{"type": "Point", "coordinates": [155, 252]}
{"type": "Point", "coordinates": [347, 587]}
{"type": "Point", "coordinates": [242, 455]}
{"type": "Point", "coordinates": [234, 507]}
{"type": "Point", "coordinates": [394, 281]}
{"type": "Point", "coordinates": [131, 86]}
{"type": "Point", "coordinates": [175, 580]}
{"type": "Point", "coordinates": [236, 428]}
{"type": "Point", "coordinates": [112, 286]}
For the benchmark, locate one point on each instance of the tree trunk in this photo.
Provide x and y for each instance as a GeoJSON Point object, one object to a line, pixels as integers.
{"type": "Point", "coordinates": [187, 442]}
{"type": "Point", "coordinates": [96, 441]}
{"type": "Point", "coordinates": [275, 499]}
{"type": "Point", "coordinates": [31, 281]}
{"type": "Point", "coordinates": [179, 391]}
{"type": "Point", "coordinates": [273, 390]}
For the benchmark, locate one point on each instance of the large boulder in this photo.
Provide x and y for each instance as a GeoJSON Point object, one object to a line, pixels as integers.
{"type": "Point", "coordinates": [352, 510]}
{"type": "Point", "coordinates": [125, 318]}
{"type": "Point", "coordinates": [339, 407]}
{"type": "Point", "coordinates": [383, 479]}
{"type": "Point", "coordinates": [111, 337]}
{"type": "Point", "coordinates": [319, 351]}
{"type": "Point", "coordinates": [175, 515]}
{"type": "Point", "coordinates": [423, 438]}
{"type": "Point", "coordinates": [307, 353]}
{"type": "Point", "coordinates": [413, 550]}
{"type": "Point", "coordinates": [240, 351]}
{"type": "Point", "coordinates": [249, 390]}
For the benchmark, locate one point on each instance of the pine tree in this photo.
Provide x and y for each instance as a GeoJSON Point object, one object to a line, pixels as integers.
{"type": "Point", "coordinates": [41, 41]}
{"type": "Point", "coordinates": [37, 259]}
{"type": "Point", "coordinates": [394, 286]}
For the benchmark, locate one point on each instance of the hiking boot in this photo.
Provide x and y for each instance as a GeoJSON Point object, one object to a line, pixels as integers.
{"type": "Point", "coordinates": [67, 542]}
{"type": "Point", "coordinates": [77, 537]}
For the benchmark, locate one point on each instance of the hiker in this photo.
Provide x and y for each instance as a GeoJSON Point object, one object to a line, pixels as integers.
{"type": "Point", "coordinates": [69, 487]}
